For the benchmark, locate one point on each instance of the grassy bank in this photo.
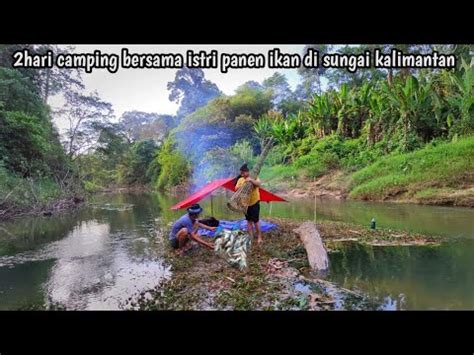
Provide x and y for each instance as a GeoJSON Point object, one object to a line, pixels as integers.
{"type": "Point", "coordinates": [440, 173]}
{"type": "Point", "coordinates": [22, 196]}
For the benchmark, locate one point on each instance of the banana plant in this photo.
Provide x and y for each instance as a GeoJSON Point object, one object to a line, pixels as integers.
{"type": "Point", "coordinates": [411, 101]}
{"type": "Point", "coordinates": [376, 116]}
{"type": "Point", "coordinates": [341, 100]}
{"type": "Point", "coordinates": [463, 96]}
{"type": "Point", "coordinates": [263, 127]}
{"type": "Point", "coordinates": [320, 114]}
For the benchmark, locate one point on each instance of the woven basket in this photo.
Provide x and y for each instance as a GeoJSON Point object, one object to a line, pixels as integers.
{"type": "Point", "coordinates": [240, 199]}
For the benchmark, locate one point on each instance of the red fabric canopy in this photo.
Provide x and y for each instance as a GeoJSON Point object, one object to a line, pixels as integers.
{"type": "Point", "coordinates": [265, 196]}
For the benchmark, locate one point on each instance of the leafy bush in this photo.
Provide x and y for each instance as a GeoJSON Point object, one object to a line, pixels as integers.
{"type": "Point", "coordinates": [134, 169]}
{"type": "Point", "coordinates": [175, 168]}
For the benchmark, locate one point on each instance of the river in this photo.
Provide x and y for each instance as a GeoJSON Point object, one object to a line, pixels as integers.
{"type": "Point", "coordinates": [100, 255]}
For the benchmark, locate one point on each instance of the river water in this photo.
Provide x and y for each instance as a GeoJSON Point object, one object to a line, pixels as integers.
{"type": "Point", "coordinates": [98, 256]}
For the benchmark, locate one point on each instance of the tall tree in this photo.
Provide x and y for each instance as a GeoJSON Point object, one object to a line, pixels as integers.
{"type": "Point", "coordinates": [144, 125]}
{"type": "Point", "coordinates": [29, 142]}
{"type": "Point", "coordinates": [191, 90]}
{"type": "Point", "coordinates": [250, 85]}
{"type": "Point", "coordinates": [278, 84]}
{"type": "Point", "coordinates": [283, 98]}
{"type": "Point", "coordinates": [311, 77]}
{"type": "Point", "coordinates": [47, 81]}
{"type": "Point", "coordinates": [84, 114]}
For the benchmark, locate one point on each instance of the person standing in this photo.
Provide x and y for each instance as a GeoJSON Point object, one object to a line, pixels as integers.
{"type": "Point", "coordinates": [253, 211]}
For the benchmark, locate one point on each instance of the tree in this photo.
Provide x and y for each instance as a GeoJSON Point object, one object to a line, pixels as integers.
{"type": "Point", "coordinates": [134, 169]}
{"type": "Point", "coordinates": [173, 164]}
{"type": "Point", "coordinates": [283, 99]}
{"type": "Point", "coordinates": [143, 125]}
{"type": "Point", "coordinates": [253, 85]}
{"type": "Point", "coordinates": [308, 86]}
{"type": "Point", "coordinates": [337, 76]}
{"type": "Point", "coordinates": [29, 144]}
{"type": "Point", "coordinates": [191, 90]}
{"type": "Point", "coordinates": [222, 122]}
{"type": "Point", "coordinates": [311, 77]}
{"type": "Point", "coordinates": [112, 144]}
{"type": "Point", "coordinates": [279, 87]}
{"type": "Point", "coordinates": [85, 115]}
{"type": "Point", "coordinates": [47, 81]}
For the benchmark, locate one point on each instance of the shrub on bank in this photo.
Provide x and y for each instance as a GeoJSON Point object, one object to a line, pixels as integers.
{"type": "Point", "coordinates": [19, 193]}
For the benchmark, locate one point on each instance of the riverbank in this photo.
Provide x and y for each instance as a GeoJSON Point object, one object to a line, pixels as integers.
{"type": "Point", "coordinates": [53, 203]}
{"type": "Point", "coordinates": [278, 276]}
{"type": "Point", "coordinates": [21, 197]}
{"type": "Point", "coordinates": [440, 174]}
{"type": "Point", "coordinates": [42, 209]}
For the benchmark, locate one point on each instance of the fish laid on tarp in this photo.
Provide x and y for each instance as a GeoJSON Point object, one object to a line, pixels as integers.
{"type": "Point", "coordinates": [232, 245]}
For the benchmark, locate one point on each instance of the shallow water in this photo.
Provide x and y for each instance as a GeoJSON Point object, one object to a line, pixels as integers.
{"type": "Point", "coordinates": [97, 257]}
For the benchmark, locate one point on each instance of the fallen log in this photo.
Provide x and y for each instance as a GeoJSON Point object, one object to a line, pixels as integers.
{"type": "Point", "coordinates": [315, 250]}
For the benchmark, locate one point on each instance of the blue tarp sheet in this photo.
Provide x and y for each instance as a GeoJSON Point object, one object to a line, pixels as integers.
{"type": "Point", "coordinates": [240, 224]}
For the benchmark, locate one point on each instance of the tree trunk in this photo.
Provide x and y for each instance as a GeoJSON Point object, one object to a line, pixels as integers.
{"type": "Point", "coordinates": [258, 166]}
{"type": "Point", "coordinates": [46, 88]}
{"type": "Point", "coordinates": [315, 250]}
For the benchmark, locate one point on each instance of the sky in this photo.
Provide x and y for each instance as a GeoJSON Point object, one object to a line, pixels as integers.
{"type": "Point", "coordinates": [145, 89]}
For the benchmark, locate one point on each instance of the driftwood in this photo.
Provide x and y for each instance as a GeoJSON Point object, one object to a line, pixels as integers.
{"type": "Point", "coordinates": [239, 200]}
{"type": "Point", "coordinates": [317, 254]}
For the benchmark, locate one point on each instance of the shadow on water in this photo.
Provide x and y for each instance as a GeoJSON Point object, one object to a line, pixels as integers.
{"type": "Point", "coordinates": [98, 256]}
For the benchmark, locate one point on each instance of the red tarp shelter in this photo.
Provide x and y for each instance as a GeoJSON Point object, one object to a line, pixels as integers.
{"type": "Point", "coordinates": [265, 196]}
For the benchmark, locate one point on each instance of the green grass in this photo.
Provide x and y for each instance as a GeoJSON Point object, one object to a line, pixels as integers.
{"type": "Point", "coordinates": [280, 172]}
{"type": "Point", "coordinates": [446, 165]}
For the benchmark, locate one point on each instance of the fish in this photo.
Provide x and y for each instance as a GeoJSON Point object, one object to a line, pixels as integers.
{"type": "Point", "coordinates": [232, 246]}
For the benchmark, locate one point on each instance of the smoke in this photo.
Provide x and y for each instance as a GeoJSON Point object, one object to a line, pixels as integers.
{"type": "Point", "coordinates": [208, 150]}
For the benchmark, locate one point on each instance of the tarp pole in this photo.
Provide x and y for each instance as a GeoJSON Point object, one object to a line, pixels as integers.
{"type": "Point", "coordinates": [212, 205]}
{"type": "Point", "coordinates": [315, 208]}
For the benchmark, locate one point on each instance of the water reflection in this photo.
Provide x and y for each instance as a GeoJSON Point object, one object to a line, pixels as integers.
{"type": "Point", "coordinates": [95, 258]}
{"type": "Point", "coordinates": [440, 277]}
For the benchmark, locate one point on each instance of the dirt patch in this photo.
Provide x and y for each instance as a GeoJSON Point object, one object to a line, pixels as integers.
{"type": "Point", "coordinates": [447, 197]}
{"type": "Point", "coordinates": [332, 185]}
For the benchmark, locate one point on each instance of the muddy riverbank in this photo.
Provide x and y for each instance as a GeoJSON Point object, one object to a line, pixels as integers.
{"type": "Point", "coordinates": [42, 209]}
